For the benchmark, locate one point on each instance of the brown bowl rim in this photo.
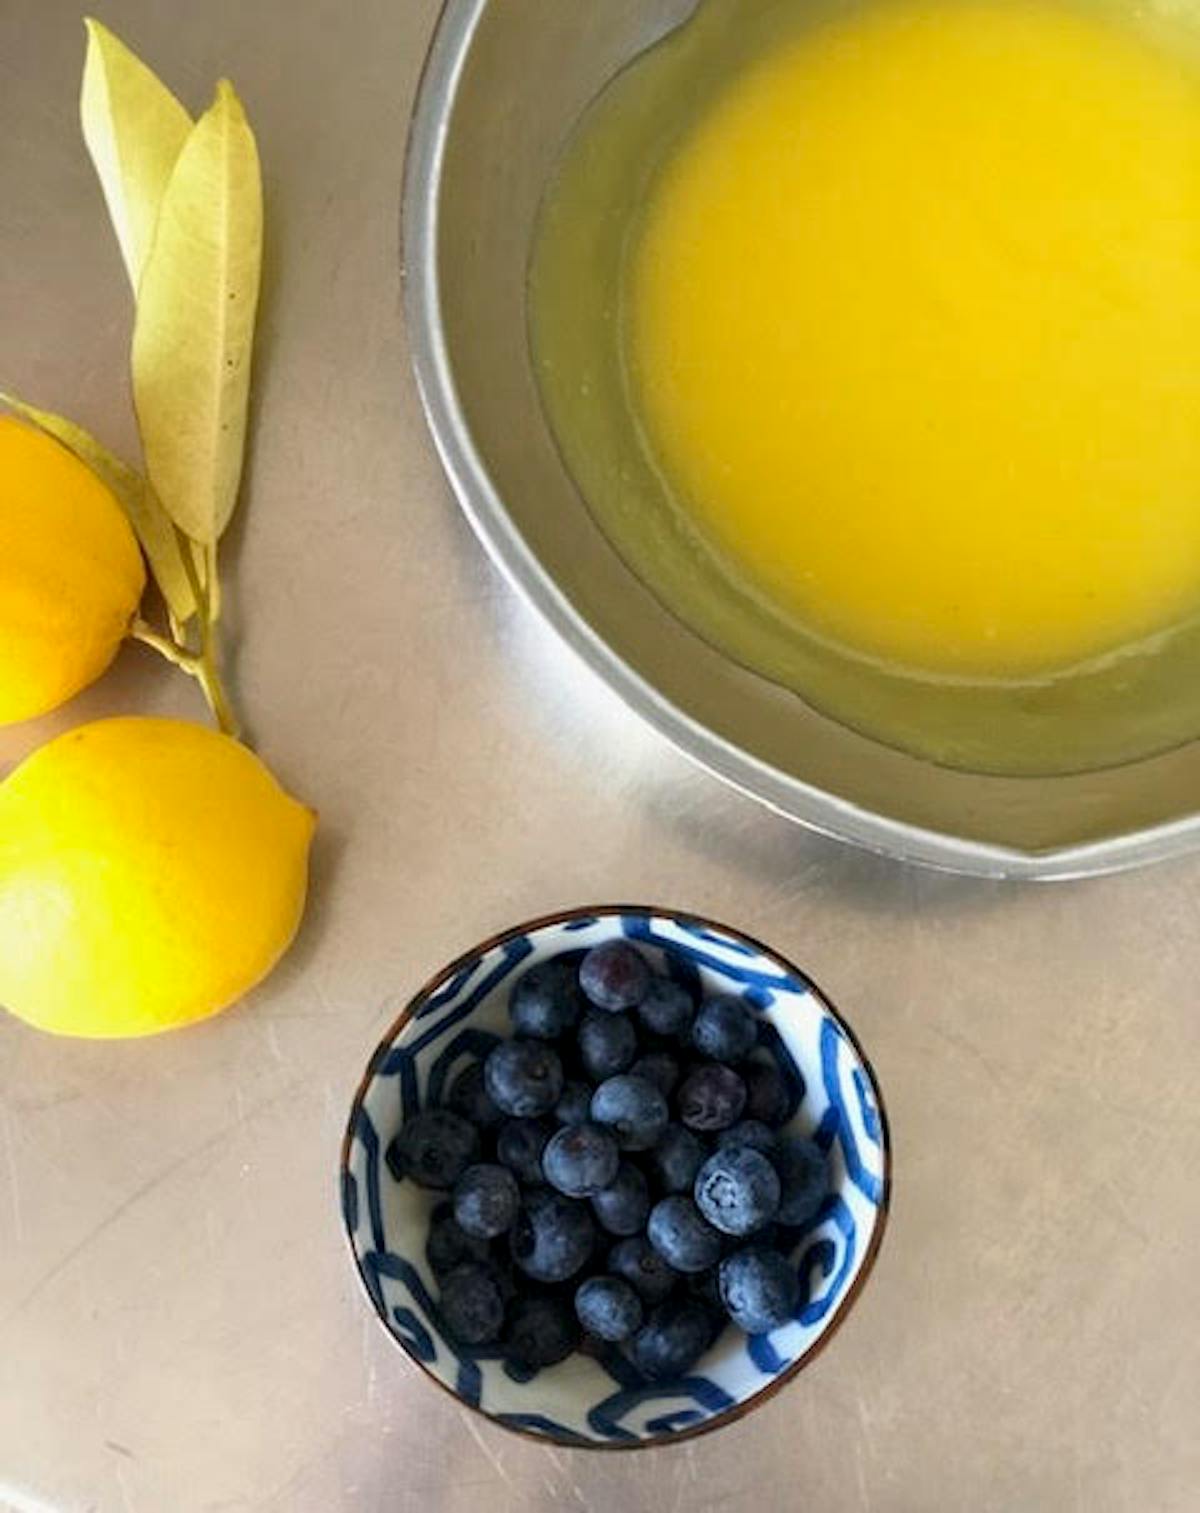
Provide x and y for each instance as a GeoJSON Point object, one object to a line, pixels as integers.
{"type": "Point", "coordinates": [764, 1394]}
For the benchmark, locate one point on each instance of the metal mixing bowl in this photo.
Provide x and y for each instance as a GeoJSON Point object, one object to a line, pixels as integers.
{"type": "Point", "coordinates": [504, 83]}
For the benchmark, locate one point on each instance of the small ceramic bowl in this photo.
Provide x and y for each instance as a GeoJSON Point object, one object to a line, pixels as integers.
{"type": "Point", "coordinates": [604, 1401]}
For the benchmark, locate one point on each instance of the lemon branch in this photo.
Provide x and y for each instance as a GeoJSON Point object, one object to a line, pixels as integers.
{"type": "Point", "coordinates": [165, 646]}
{"type": "Point", "coordinates": [205, 664]}
{"type": "Point", "coordinates": [208, 660]}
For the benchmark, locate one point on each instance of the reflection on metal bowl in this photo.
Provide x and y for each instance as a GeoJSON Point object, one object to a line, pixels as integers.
{"type": "Point", "coordinates": [504, 84]}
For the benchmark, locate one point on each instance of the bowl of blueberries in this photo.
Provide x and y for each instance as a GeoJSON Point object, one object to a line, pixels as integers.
{"type": "Point", "coordinates": [613, 1177]}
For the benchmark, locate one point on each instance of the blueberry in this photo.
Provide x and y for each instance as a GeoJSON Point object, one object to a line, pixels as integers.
{"type": "Point", "coordinates": [767, 1096]}
{"type": "Point", "coordinates": [614, 976]}
{"type": "Point", "coordinates": [523, 1077]}
{"type": "Point", "coordinates": [677, 1158]}
{"type": "Point", "coordinates": [574, 1105]}
{"type": "Point", "coordinates": [542, 1332]}
{"type": "Point", "coordinates": [666, 1008]}
{"type": "Point", "coordinates": [759, 1288]}
{"type": "Point", "coordinates": [448, 1244]}
{"type": "Point", "coordinates": [468, 1098]}
{"type": "Point", "coordinates": [621, 1208]}
{"type": "Point", "coordinates": [486, 1200]}
{"type": "Point", "coordinates": [751, 1132]}
{"type": "Point", "coordinates": [607, 1044]}
{"type": "Point", "coordinates": [546, 1001]}
{"type": "Point", "coordinates": [472, 1305]}
{"type": "Point", "coordinates": [632, 1108]}
{"type": "Point", "coordinates": [682, 1236]}
{"type": "Point", "coordinates": [673, 1339]}
{"type": "Point", "coordinates": [724, 1029]}
{"type": "Point", "coordinates": [639, 1263]}
{"type": "Point", "coordinates": [803, 1169]}
{"type": "Point", "coordinates": [434, 1148]}
{"type": "Point", "coordinates": [580, 1159]}
{"type": "Point", "coordinates": [737, 1190]}
{"type": "Point", "coordinates": [609, 1308]}
{"type": "Point", "coordinates": [553, 1236]}
{"type": "Point", "coordinates": [658, 1067]}
{"type": "Point", "coordinates": [519, 1146]}
{"type": "Point", "coordinates": [711, 1098]}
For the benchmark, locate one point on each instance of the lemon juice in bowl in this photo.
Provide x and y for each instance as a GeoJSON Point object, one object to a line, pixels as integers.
{"type": "Point", "coordinates": [870, 332]}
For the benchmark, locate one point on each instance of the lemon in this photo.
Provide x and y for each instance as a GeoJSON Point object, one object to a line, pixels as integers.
{"type": "Point", "coordinates": [151, 871]}
{"type": "Point", "coordinates": [71, 574]}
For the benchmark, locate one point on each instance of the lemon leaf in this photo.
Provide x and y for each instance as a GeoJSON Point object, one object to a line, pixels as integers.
{"type": "Point", "coordinates": [134, 128]}
{"type": "Point", "coordinates": [147, 516]}
{"type": "Point", "coordinates": [194, 331]}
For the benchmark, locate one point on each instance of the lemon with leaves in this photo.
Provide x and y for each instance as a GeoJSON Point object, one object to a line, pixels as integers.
{"type": "Point", "coordinates": [151, 872]}
{"type": "Point", "coordinates": [71, 574]}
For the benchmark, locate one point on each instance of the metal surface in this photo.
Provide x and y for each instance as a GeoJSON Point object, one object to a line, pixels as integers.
{"type": "Point", "coordinates": [481, 149]}
{"type": "Point", "coordinates": [180, 1330]}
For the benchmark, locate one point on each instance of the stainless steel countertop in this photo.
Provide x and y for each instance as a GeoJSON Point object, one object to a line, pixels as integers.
{"type": "Point", "coordinates": [180, 1327]}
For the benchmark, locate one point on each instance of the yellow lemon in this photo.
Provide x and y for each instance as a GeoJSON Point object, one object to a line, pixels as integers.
{"type": "Point", "coordinates": [151, 872]}
{"type": "Point", "coordinates": [71, 574]}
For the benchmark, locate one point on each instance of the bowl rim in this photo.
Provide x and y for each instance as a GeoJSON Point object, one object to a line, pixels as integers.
{"type": "Point", "coordinates": [792, 797]}
{"type": "Point", "coordinates": [846, 1302]}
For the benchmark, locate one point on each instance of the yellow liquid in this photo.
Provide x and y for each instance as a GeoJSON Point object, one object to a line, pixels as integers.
{"type": "Point", "coordinates": [912, 328]}
{"type": "Point", "coordinates": [870, 332]}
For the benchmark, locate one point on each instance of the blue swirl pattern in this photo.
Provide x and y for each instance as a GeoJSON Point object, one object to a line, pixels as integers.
{"type": "Point", "coordinates": [603, 1400]}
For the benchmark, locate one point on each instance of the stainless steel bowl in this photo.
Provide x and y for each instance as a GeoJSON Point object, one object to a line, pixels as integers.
{"type": "Point", "coordinates": [504, 83]}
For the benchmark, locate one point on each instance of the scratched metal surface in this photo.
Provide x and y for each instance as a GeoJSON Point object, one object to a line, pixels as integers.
{"type": "Point", "coordinates": [179, 1326]}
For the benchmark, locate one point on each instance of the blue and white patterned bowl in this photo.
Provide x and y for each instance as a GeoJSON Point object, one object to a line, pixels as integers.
{"type": "Point", "coordinates": [604, 1402]}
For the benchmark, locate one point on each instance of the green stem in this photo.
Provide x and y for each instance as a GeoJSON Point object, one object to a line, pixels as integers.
{"type": "Point", "coordinates": [203, 665]}
{"type": "Point", "coordinates": [208, 670]}
{"type": "Point", "coordinates": [177, 655]}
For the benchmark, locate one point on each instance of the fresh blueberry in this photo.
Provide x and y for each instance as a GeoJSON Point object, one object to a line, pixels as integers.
{"type": "Point", "coordinates": [523, 1077]}
{"type": "Point", "coordinates": [767, 1096]}
{"type": "Point", "coordinates": [609, 1308]}
{"type": "Point", "coordinates": [472, 1305]}
{"type": "Point", "coordinates": [486, 1200]}
{"type": "Point", "coordinates": [632, 1108]}
{"type": "Point", "coordinates": [574, 1106]}
{"type": "Point", "coordinates": [621, 1208]}
{"type": "Point", "coordinates": [580, 1160]}
{"type": "Point", "coordinates": [448, 1244]}
{"type": "Point", "coordinates": [541, 1333]}
{"type": "Point", "coordinates": [519, 1146]}
{"type": "Point", "coordinates": [468, 1098]}
{"type": "Point", "coordinates": [607, 1044]}
{"type": "Point", "coordinates": [666, 1008]}
{"type": "Point", "coordinates": [711, 1098]}
{"type": "Point", "coordinates": [803, 1169]}
{"type": "Point", "coordinates": [724, 1029]}
{"type": "Point", "coordinates": [677, 1158]}
{"type": "Point", "coordinates": [751, 1132]}
{"type": "Point", "coordinates": [614, 976]}
{"type": "Point", "coordinates": [737, 1190]}
{"type": "Point", "coordinates": [546, 1001]}
{"type": "Point", "coordinates": [658, 1067]}
{"type": "Point", "coordinates": [434, 1148]}
{"type": "Point", "coordinates": [673, 1339]}
{"type": "Point", "coordinates": [553, 1236]}
{"type": "Point", "coordinates": [682, 1236]}
{"type": "Point", "coordinates": [759, 1289]}
{"type": "Point", "coordinates": [639, 1263]}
